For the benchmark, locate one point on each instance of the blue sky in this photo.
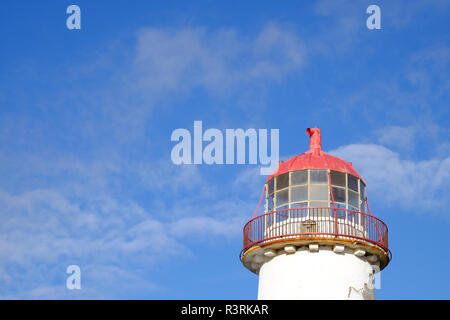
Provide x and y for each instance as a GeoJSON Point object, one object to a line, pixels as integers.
{"type": "Point", "coordinates": [86, 118]}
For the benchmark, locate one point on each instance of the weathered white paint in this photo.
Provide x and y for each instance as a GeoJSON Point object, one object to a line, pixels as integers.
{"type": "Point", "coordinates": [324, 274]}
{"type": "Point", "coordinates": [290, 249]}
{"type": "Point", "coordinates": [339, 248]}
{"type": "Point", "coordinates": [270, 253]}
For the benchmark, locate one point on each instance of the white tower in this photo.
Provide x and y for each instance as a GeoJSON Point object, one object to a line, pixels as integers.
{"type": "Point", "coordinates": [316, 239]}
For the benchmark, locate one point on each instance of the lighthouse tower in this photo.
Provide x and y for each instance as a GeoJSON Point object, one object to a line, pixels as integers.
{"type": "Point", "coordinates": [317, 238]}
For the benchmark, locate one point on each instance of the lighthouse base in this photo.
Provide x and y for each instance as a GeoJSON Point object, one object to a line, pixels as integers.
{"type": "Point", "coordinates": [311, 275]}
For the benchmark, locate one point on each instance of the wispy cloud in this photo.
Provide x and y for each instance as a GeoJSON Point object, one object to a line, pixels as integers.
{"type": "Point", "coordinates": [84, 182]}
{"type": "Point", "coordinates": [74, 194]}
{"type": "Point", "coordinates": [83, 219]}
{"type": "Point", "coordinates": [418, 185]}
{"type": "Point", "coordinates": [43, 230]}
{"type": "Point", "coordinates": [397, 136]}
{"type": "Point", "coordinates": [181, 59]}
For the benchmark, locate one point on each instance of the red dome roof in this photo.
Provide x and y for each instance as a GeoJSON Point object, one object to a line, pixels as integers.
{"type": "Point", "coordinates": [315, 158]}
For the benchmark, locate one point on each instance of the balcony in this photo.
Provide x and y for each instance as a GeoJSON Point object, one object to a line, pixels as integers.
{"type": "Point", "coordinates": [330, 225]}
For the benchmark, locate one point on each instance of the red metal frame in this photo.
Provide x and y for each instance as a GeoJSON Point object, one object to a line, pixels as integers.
{"type": "Point", "coordinates": [328, 222]}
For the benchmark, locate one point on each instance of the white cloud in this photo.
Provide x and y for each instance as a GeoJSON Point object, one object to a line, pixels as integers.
{"type": "Point", "coordinates": [44, 230]}
{"type": "Point", "coordinates": [340, 31]}
{"type": "Point", "coordinates": [397, 136]}
{"type": "Point", "coordinates": [345, 25]}
{"type": "Point", "coordinates": [427, 70]}
{"type": "Point", "coordinates": [181, 59]}
{"type": "Point", "coordinates": [249, 179]}
{"type": "Point", "coordinates": [421, 186]}
{"type": "Point", "coordinates": [401, 14]}
{"type": "Point", "coordinates": [164, 176]}
{"type": "Point", "coordinates": [207, 226]}
{"type": "Point", "coordinates": [422, 134]}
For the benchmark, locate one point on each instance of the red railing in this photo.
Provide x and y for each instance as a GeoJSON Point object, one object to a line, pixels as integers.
{"type": "Point", "coordinates": [321, 222]}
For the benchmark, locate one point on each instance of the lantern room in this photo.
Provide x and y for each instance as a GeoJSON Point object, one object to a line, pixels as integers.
{"type": "Point", "coordinates": [304, 181]}
{"type": "Point", "coordinates": [313, 202]}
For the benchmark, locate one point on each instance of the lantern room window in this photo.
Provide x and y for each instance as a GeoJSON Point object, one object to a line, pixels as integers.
{"type": "Point", "coordinates": [362, 189]}
{"type": "Point", "coordinates": [282, 181]}
{"type": "Point", "coordinates": [270, 203]}
{"type": "Point", "coordinates": [339, 195]}
{"type": "Point", "coordinates": [299, 205]}
{"type": "Point", "coordinates": [318, 176]}
{"type": "Point", "coordinates": [299, 178]}
{"type": "Point", "coordinates": [362, 205]}
{"type": "Point", "coordinates": [282, 198]}
{"type": "Point", "coordinates": [310, 188]}
{"type": "Point", "coordinates": [338, 178]}
{"type": "Point", "coordinates": [362, 195]}
{"type": "Point", "coordinates": [299, 194]}
{"type": "Point", "coordinates": [319, 193]}
{"type": "Point", "coordinates": [353, 200]}
{"type": "Point", "coordinates": [352, 183]}
{"type": "Point", "coordinates": [270, 186]}
{"type": "Point", "coordinates": [283, 215]}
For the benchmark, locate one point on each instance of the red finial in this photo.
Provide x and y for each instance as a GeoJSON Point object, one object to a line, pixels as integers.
{"type": "Point", "coordinates": [315, 141]}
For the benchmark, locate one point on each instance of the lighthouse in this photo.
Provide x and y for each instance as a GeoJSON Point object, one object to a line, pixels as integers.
{"type": "Point", "coordinates": [317, 238]}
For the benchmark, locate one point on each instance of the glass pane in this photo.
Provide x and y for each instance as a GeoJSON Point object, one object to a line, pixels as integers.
{"type": "Point", "coordinates": [282, 197]}
{"type": "Point", "coordinates": [319, 204]}
{"type": "Point", "coordinates": [352, 183]}
{"type": "Point", "coordinates": [362, 201]}
{"type": "Point", "coordinates": [299, 177]}
{"type": "Point", "coordinates": [318, 193]}
{"type": "Point", "coordinates": [270, 203]}
{"type": "Point", "coordinates": [353, 199]}
{"type": "Point", "coordinates": [283, 215]}
{"type": "Point", "coordinates": [340, 214]}
{"type": "Point", "coordinates": [299, 194]}
{"type": "Point", "coordinates": [269, 218]}
{"type": "Point", "coordinates": [318, 176]}
{"type": "Point", "coordinates": [299, 205]}
{"type": "Point", "coordinates": [338, 205]}
{"type": "Point", "coordinates": [270, 186]}
{"type": "Point", "coordinates": [363, 205]}
{"type": "Point", "coordinates": [297, 211]}
{"type": "Point", "coordinates": [283, 181]}
{"type": "Point", "coordinates": [338, 178]}
{"type": "Point", "coordinates": [339, 194]}
{"type": "Point", "coordinates": [317, 209]}
{"type": "Point", "coordinates": [362, 189]}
